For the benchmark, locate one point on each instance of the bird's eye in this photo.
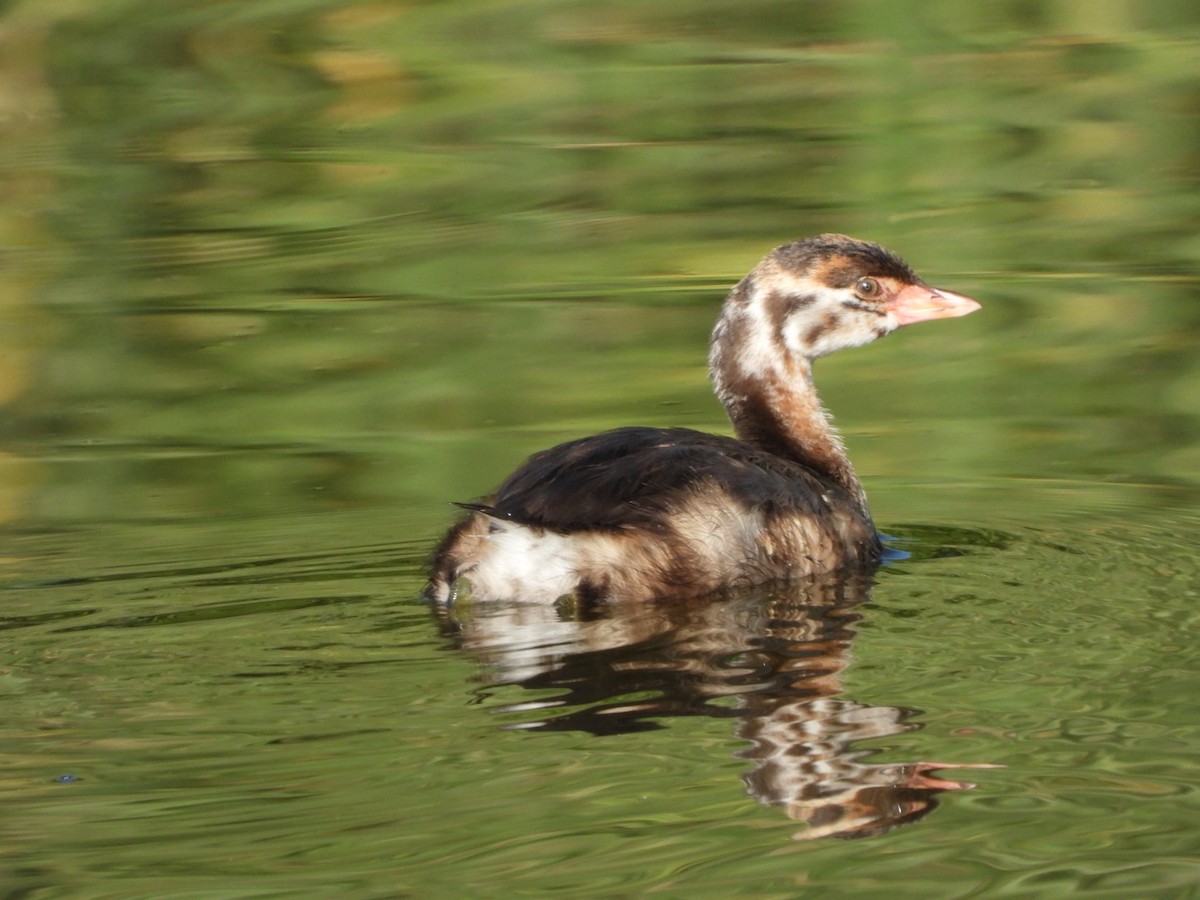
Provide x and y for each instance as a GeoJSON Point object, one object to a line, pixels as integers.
{"type": "Point", "coordinates": [868, 289]}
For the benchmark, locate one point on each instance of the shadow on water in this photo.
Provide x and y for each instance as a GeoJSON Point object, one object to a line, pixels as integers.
{"type": "Point", "coordinates": [770, 658]}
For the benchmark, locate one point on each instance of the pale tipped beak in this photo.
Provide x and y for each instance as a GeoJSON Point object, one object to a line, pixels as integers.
{"type": "Point", "coordinates": [920, 302]}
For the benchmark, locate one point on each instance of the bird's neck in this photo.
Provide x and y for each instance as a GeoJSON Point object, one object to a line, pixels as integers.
{"type": "Point", "coordinates": [778, 411]}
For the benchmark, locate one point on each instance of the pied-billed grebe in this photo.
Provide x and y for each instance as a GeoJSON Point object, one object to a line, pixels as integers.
{"type": "Point", "coordinates": [638, 513]}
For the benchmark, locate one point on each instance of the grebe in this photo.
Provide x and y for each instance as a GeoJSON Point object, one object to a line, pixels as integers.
{"type": "Point", "coordinates": [640, 513]}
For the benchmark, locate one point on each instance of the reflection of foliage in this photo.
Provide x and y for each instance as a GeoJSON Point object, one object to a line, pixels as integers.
{"type": "Point", "coordinates": [253, 201]}
{"type": "Point", "coordinates": [445, 149]}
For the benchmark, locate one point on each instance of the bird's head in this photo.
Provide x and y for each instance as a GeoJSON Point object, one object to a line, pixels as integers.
{"type": "Point", "coordinates": [816, 296]}
{"type": "Point", "coordinates": [831, 292]}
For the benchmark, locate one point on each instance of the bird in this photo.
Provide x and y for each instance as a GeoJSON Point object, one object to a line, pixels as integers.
{"type": "Point", "coordinates": [643, 513]}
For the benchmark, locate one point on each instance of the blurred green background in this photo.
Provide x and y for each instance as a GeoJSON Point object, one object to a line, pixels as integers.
{"type": "Point", "coordinates": [257, 248]}
{"type": "Point", "coordinates": [280, 278]}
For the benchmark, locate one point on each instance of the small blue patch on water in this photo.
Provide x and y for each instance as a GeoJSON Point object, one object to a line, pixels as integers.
{"type": "Point", "coordinates": [893, 554]}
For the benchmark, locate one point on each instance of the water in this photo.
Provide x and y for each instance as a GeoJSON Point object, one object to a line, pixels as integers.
{"type": "Point", "coordinates": [281, 281]}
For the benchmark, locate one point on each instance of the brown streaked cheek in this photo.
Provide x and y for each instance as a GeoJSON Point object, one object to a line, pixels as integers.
{"type": "Point", "coordinates": [780, 309]}
{"type": "Point", "coordinates": [828, 322]}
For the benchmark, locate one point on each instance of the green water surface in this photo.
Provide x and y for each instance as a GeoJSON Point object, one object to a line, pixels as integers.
{"type": "Point", "coordinates": [280, 278]}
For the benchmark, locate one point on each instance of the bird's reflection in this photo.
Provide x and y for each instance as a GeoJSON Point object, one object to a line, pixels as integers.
{"type": "Point", "coordinates": [769, 658]}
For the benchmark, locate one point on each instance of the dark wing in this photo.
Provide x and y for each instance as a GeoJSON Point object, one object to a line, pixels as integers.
{"type": "Point", "coordinates": [635, 476]}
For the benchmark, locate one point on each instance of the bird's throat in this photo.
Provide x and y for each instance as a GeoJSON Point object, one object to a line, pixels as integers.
{"type": "Point", "coordinates": [784, 416]}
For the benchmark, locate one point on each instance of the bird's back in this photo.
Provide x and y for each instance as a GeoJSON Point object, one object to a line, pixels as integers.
{"type": "Point", "coordinates": [641, 512]}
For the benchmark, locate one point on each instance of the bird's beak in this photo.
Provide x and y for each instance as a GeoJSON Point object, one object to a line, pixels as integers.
{"type": "Point", "coordinates": [920, 302]}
